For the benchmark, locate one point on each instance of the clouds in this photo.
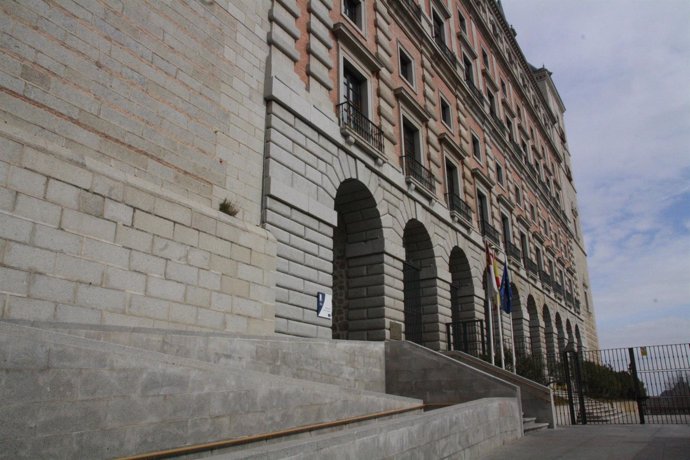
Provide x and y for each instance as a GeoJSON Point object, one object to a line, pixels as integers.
{"type": "Point", "coordinates": [623, 71]}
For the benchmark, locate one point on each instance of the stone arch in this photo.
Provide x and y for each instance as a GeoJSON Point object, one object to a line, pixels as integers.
{"type": "Point", "coordinates": [520, 324]}
{"type": "Point", "coordinates": [560, 335]}
{"type": "Point", "coordinates": [549, 339]}
{"type": "Point", "coordinates": [569, 333]}
{"type": "Point", "coordinates": [535, 329]}
{"type": "Point", "coordinates": [419, 285]}
{"type": "Point", "coordinates": [465, 337]}
{"type": "Point", "coordinates": [358, 284]}
{"type": "Point", "coordinates": [578, 339]}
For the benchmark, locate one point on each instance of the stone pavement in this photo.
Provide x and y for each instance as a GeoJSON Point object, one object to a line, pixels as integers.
{"type": "Point", "coordinates": [619, 442]}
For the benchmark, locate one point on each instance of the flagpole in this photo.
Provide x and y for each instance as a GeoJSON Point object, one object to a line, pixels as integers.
{"type": "Point", "coordinates": [500, 336]}
{"type": "Point", "coordinates": [491, 313]}
{"type": "Point", "coordinates": [512, 340]}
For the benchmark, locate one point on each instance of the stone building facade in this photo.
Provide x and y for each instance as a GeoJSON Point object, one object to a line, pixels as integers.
{"type": "Point", "coordinates": [402, 137]}
{"type": "Point", "coordinates": [371, 149]}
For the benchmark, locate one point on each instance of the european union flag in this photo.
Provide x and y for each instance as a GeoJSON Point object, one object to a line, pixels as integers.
{"type": "Point", "coordinates": [506, 296]}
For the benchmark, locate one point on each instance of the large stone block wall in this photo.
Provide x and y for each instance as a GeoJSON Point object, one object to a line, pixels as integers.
{"type": "Point", "coordinates": [171, 92]}
{"type": "Point", "coordinates": [123, 125]}
{"type": "Point", "coordinates": [349, 364]}
{"type": "Point", "coordinates": [82, 242]}
{"type": "Point", "coordinates": [70, 397]}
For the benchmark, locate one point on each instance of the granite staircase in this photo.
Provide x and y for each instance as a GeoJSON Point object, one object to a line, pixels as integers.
{"type": "Point", "coordinates": [74, 390]}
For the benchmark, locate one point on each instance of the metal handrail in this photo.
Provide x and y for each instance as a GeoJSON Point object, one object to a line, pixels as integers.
{"type": "Point", "coordinates": [457, 204]}
{"type": "Point", "coordinates": [514, 251]}
{"type": "Point", "coordinates": [417, 171]}
{"type": "Point", "coordinates": [490, 232]}
{"type": "Point", "coordinates": [531, 266]}
{"type": "Point", "coordinates": [545, 278]}
{"type": "Point", "coordinates": [447, 52]}
{"type": "Point", "coordinates": [350, 117]}
{"type": "Point", "coordinates": [414, 7]}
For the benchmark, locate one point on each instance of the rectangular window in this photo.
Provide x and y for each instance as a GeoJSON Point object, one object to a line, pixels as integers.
{"type": "Point", "coordinates": [540, 261]}
{"type": "Point", "coordinates": [439, 28]}
{"type": "Point", "coordinates": [446, 113]}
{"type": "Point", "coordinates": [532, 213]}
{"type": "Point", "coordinates": [463, 23]}
{"type": "Point", "coordinates": [524, 246]}
{"type": "Point", "coordinates": [482, 207]}
{"type": "Point", "coordinates": [469, 72]}
{"type": "Point", "coordinates": [518, 195]}
{"type": "Point", "coordinates": [499, 173]}
{"type": "Point", "coordinates": [411, 142]}
{"type": "Point", "coordinates": [503, 88]}
{"type": "Point", "coordinates": [476, 148]}
{"type": "Point", "coordinates": [485, 58]}
{"type": "Point", "coordinates": [352, 9]}
{"type": "Point", "coordinates": [509, 126]}
{"type": "Point", "coordinates": [505, 226]}
{"type": "Point", "coordinates": [406, 66]}
{"type": "Point", "coordinates": [452, 179]}
{"type": "Point", "coordinates": [492, 103]}
{"type": "Point", "coordinates": [354, 90]}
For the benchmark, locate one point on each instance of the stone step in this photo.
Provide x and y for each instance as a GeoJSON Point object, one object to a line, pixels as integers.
{"type": "Point", "coordinates": [534, 426]}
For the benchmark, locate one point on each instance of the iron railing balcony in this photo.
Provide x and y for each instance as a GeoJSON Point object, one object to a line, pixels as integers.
{"type": "Point", "coordinates": [417, 171]}
{"type": "Point", "coordinates": [474, 90]}
{"type": "Point", "coordinates": [351, 118]}
{"type": "Point", "coordinates": [514, 251]}
{"type": "Point", "coordinates": [447, 52]}
{"type": "Point", "coordinates": [458, 205]}
{"type": "Point", "coordinates": [577, 305]}
{"type": "Point", "coordinates": [558, 289]}
{"type": "Point", "coordinates": [490, 232]}
{"type": "Point", "coordinates": [414, 7]}
{"type": "Point", "coordinates": [533, 169]}
{"type": "Point", "coordinates": [531, 266]}
{"type": "Point", "coordinates": [545, 278]}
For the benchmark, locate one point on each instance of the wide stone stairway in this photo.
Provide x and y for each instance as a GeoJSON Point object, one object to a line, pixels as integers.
{"type": "Point", "coordinates": [81, 391]}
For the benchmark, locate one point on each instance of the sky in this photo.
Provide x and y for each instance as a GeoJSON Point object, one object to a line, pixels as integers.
{"type": "Point", "coordinates": [622, 68]}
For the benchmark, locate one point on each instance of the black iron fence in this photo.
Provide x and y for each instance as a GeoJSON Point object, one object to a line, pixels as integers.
{"type": "Point", "coordinates": [625, 386]}
{"type": "Point", "coordinates": [355, 120]}
{"type": "Point", "coordinates": [447, 52]}
{"type": "Point", "coordinates": [467, 336]}
{"type": "Point", "coordinates": [514, 252]}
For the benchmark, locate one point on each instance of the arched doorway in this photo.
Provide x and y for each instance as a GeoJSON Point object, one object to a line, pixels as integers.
{"type": "Point", "coordinates": [560, 334]}
{"type": "Point", "coordinates": [535, 333]}
{"type": "Point", "coordinates": [552, 359]}
{"type": "Point", "coordinates": [419, 284]}
{"type": "Point", "coordinates": [569, 334]}
{"type": "Point", "coordinates": [357, 265]}
{"type": "Point", "coordinates": [578, 339]}
{"type": "Point", "coordinates": [466, 332]}
{"type": "Point", "coordinates": [519, 323]}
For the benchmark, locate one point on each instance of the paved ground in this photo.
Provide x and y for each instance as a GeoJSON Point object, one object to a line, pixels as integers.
{"type": "Point", "coordinates": [598, 442]}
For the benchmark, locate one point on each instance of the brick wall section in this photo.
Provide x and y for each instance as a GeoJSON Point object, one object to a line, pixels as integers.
{"type": "Point", "coordinates": [169, 91]}
{"type": "Point", "coordinates": [83, 242]}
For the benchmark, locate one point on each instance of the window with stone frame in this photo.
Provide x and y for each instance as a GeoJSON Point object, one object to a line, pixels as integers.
{"type": "Point", "coordinates": [476, 148]}
{"type": "Point", "coordinates": [446, 112]}
{"type": "Point", "coordinates": [353, 10]}
{"type": "Point", "coordinates": [406, 66]}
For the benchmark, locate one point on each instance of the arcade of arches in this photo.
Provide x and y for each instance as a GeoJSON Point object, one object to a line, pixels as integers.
{"type": "Point", "coordinates": [373, 289]}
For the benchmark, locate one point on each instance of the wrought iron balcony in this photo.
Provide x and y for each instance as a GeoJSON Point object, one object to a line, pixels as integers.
{"type": "Point", "coordinates": [558, 289]}
{"type": "Point", "coordinates": [531, 266]}
{"type": "Point", "coordinates": [577, 305]}
{"type": "Point", "coordinates": [447, 52]}
{"type": "Point", "coordinates": [415, 170]}
{"type": "Point", "coordinates": [474, 90]}
{"type": "Point", "coordinates": [501, 127]}
{"type": "Point", "coordinates": [458, 205]}
{"type": "Point", "coordinates": [532, 169]}
{"type": "Point", "coordinates": [414, 7]}
{"type": "Point", "coordinates": [490, 232]}
{"type": "Point", "coordinates": [514, 251]}
{"type": "Point", "coordinates": [352, 119]}
{"type": "Point", "coordinates": [545, 278]}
